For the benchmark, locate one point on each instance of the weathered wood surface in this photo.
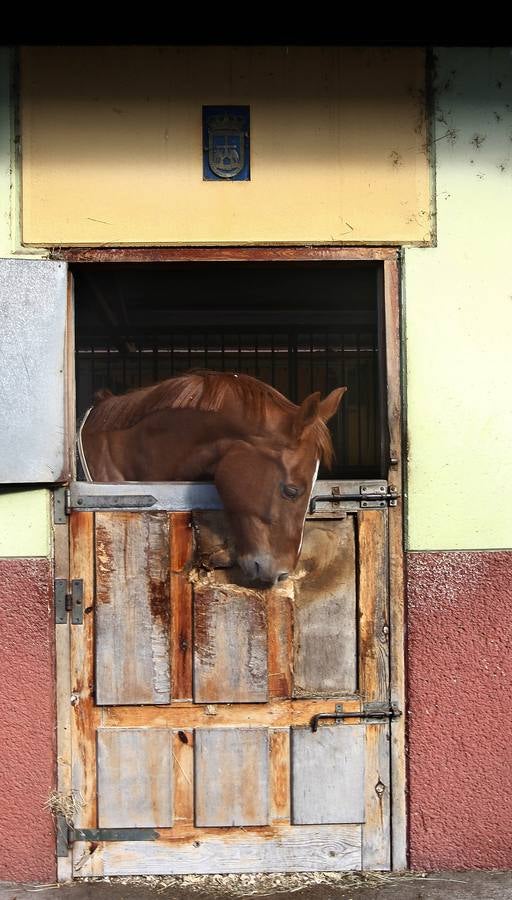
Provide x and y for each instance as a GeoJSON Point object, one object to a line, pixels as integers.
{"type": "Point", "coordinates": [230, 645]}
{"type": "Point", "coordinates": [374, 682]}
{"type": "Point", "coordinates": [132, 608]}
{"type": "Point", "coordinates": [183, 767]}
{"type": "Point", "coordinates": [280, 607]}
{"type": "Point", "coordinates": [231, 773]}
{"type": "Point", "coordinates": [280, 776]}
{"type": "Point", "coordinates": [184, 715]}
{"type": "Point", "coordinates": [181, 553]}
{"type": "Point", "coordinates": [325, 611]}
{"type": "Point", "coordinates": [134, 777]}
{"type": "Point", "coordinates": [284, 849]}
{"type": "Point", "coordinates": [241, 650]}
{"type": "Point", "coordinates": [396, 563]}
{"type": "Point", "coordinates": [373, 605]}
{"type": "Point", "coordinates": [214, 542]}
{"type": "Point", "coordinates": [222, 254]}
{"type": "Point", "coordinates": [328, 774]}
{"type": "Point", "coordinates": [376, 834]}
{"type": "Point", "coordinates": [84, 715]}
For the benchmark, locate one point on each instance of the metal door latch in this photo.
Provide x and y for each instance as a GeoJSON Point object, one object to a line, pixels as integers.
{"type": "Point", "coordinates": [370, 711]}
{"type": "Point", "coordinates": [369, 497]}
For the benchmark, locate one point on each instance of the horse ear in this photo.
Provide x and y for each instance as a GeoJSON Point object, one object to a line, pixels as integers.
{"type": "Point", "coordinates": [329, 404]}
{"type": "Point", "coordinates": [307, 413]}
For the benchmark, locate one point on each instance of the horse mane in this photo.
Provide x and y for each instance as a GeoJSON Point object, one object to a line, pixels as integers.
{"type": "Point", "coordinates": [203, 390]}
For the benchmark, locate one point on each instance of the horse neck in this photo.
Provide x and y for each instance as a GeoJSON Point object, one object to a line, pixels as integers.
{"type": "Point", "coordinates": [206, 436]}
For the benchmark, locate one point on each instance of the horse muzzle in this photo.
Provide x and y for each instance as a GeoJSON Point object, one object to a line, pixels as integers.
{"type": "Point", "coordinates": [262, 569]}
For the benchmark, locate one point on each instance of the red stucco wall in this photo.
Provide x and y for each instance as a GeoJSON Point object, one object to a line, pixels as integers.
{"type": "Point", "coordinates": [460, 709]}
{"type": "Point", "coordinates": [460, 720]}
{"type": "Point", "coordinates": [27, 720]}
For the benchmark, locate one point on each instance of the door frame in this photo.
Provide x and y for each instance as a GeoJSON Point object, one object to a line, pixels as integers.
{"type": "Point", "coordinates": [390, 257]}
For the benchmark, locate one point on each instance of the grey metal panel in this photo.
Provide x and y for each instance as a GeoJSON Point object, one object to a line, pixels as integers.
{"type": "Point", "coordinates": [177, 495]}
{"type": "Point", "coordinates": [328, 775]}
{"type": "Point", "coordinates": [168, 495]}
{"type": "Point", "coordinates": [134, 777]}
{"type": "Point", "coordinates": [231, 776]}
{"type": "Point", "coordinates": [33, 439]}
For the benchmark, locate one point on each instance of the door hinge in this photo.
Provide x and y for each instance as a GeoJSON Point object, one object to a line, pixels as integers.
{"type": "Point", "coordinates": [69, 598]}
{"type": "Point", "coordinates": [68, 835]}
{"type": "Point", "coordinates": [374, 712]}
{"type": "Point", "coordinates": [61, 505]}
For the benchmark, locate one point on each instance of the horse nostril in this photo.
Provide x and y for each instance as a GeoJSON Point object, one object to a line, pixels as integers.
{"type": "Point", "coordinates": [257, 566]}
{"type": "Point", "coordinates": [283, 576]}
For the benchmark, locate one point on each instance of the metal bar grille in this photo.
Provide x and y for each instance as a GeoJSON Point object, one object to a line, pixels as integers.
{"type": "Point", "coordinates": [293, 362]}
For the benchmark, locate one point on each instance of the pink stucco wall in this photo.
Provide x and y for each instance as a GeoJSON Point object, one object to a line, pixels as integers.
{"type": "Point", "coordinates": [460, 709]}
{"type": "Point", "coordinates": [27, 720]}
{"type": "Point", "coordinates": [459, 704]}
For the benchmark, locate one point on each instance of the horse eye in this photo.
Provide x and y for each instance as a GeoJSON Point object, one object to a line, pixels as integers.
{"type": "Point", "coordinates": [289, 491]}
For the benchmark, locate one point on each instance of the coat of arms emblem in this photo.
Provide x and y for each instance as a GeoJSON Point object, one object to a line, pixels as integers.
{"type": "Point", "coordinates": [227, 132]}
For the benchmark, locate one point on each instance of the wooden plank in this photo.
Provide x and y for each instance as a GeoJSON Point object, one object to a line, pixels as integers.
{"type": "Point", "coordinates": [328, 768]}
{"type": "Point", "coordinates": [294, 849]}
{"type": "Point", "coordinates": [184, 715]}
{"type": "Point", "coordinates": [396, 564]}
{"type": "Point", "coordinates": [374, 681]}
{"type": "Point", "coordinates": [134, 777]}
{"type": "Point", "coordinates": [376, 836]}
{"type": "Point", "coordinates": [222, 254]}
{"type": "Point", "coordinates": [132, 608]}
{"type": "Point", "coordinates": [373, 605]}
{"type": "Point", "coordinates": [325, 611]}
{"type": "Point", "coordinates": [83, 716]}
{"type": "Point", "coordinates": [231, 774]}
{"type": "Point", "coordinates": [280, 607]}
{"type": "Point", "coordinates": [183, 766]}
{"type": "Point", "coordinates": [215, 548]}
{"type": "Point", "coordinates": [280, 775]}
{"type": "Point", "coordinates": [230, 645]}
{"type": "Point", "coordinates": [181, 553]}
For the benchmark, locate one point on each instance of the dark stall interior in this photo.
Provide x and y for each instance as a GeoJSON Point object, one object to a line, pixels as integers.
{"type": "Point", "coordinates": [301, 327]}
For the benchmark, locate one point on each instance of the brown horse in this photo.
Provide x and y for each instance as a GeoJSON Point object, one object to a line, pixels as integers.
{"type": "Point", "coordinates": [261, 450]}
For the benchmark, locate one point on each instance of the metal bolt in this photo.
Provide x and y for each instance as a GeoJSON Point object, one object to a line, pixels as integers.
{"type": "Point", "coordinates": [75, 699]}
{"type": "Point", "coordinates": [380, 788]}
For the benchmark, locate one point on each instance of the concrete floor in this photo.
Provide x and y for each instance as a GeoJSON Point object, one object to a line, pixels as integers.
{"type": "Point", "coordinates": [465, 885]}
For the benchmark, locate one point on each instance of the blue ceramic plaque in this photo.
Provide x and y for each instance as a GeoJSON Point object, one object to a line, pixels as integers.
{"type": "Point", "coordinates": [226, 145]}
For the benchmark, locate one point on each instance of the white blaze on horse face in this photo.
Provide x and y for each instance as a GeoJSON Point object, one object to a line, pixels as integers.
{"type": "Point", "coordinates": [309, 501]}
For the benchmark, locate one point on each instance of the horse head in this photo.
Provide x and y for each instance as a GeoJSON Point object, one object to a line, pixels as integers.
{"type": "Point", "coordinates": [265, 483]}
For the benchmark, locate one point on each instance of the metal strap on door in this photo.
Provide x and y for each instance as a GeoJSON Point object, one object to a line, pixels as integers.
{"type": "Point", "coordinates": [334, 498]}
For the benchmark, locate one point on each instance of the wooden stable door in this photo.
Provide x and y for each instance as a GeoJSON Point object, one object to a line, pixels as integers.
{"type": "Point", "coordinates": [194, 740]}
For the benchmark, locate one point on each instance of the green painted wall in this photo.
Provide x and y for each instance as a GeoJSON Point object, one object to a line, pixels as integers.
{"type": "Point", "coordinates": [458, 317]}
{"type": "Point", "coordinates": [25, 525]}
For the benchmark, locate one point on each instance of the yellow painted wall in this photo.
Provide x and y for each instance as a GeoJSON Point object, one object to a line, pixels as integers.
{"type": "Point", "coordinates": [458, 303]}
{"type": "Point", "coordinates": [25, 527]}
{"type": "Point", "coordinates": [112, 145]}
